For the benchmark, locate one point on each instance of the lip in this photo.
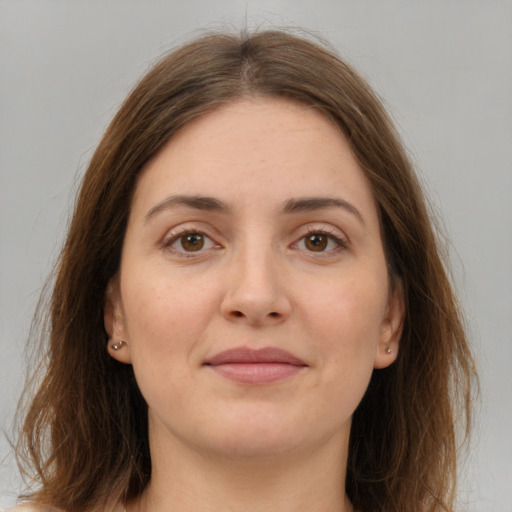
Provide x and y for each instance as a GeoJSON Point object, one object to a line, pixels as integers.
{"type": "Point", "coordinates": [256, 366]}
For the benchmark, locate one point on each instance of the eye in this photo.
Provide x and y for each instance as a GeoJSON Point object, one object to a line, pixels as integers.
{"type": "Point", "coordinates": [320, 241]}
{"type": "Point", "coordinates": [191, 241]}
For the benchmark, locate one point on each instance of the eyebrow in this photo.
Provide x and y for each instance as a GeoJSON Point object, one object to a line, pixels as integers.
{"type": "Point", "coordinates": [308, 204]}
{"type": "Point", "coordinates": [211, 204]}
{"type": "Point", "coordinates": [203, 203]}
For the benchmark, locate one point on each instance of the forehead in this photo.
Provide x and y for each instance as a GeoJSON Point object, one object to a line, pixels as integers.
{"type": "Point", "coordinates": [258, 150]}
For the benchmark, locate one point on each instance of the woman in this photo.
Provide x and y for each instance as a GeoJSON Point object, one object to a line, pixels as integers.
{"type": "Point", "coordinates": [250, 311]}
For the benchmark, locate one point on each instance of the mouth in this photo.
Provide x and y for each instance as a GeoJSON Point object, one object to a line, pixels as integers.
{"type": "Point", "coordinates": [256, 366]}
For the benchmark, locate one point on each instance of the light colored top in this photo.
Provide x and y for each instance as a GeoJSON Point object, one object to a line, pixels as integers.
{"type": "Point", "coordinates": [28, 507]}
{"type": "Point", "coordinates": [24, 507]}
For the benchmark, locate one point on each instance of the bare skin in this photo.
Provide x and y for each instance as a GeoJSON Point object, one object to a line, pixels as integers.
{"type": "Point", "coordinates": [254, 230]}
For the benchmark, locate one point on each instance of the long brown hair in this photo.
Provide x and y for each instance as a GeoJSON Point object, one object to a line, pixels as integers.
{"type": "Point", "coordinates": [85, 429]}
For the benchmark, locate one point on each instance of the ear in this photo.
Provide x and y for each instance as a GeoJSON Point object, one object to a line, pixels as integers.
{"type": "Point", "coordinates": [391, 327]}
{"type": "Point", "coordinates": [113, 318]}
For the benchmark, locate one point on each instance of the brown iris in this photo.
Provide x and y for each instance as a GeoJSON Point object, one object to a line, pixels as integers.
{"type": "Point", "coordinates": [316, 242]}
{"type": "Point", "coordinates": [192, 242]}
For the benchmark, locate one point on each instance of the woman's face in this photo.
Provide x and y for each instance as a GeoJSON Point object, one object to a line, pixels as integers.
{"type": "Point", "coordinates": [253, 291]}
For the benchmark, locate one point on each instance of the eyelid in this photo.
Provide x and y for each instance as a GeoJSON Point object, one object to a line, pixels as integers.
{"type": "Point", "coordinates": [178, 232]}
{"type": "Point", "coordinates": [331, 232]}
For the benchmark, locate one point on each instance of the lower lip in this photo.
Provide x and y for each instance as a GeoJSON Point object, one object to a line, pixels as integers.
{"type": "Point", "coordinates": [257, 373]}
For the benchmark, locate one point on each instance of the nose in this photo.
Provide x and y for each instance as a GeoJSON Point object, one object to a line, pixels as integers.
{"type": "Point", "coordinates": [255, 292]}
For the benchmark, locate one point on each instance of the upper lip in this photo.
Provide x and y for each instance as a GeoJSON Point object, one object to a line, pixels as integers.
{"type": "Point", "coordinates": [249, 355]}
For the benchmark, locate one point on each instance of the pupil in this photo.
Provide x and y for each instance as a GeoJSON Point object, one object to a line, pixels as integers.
{"type": "Point", "coordinates": [192, 242]}
{"type": "Point", "coordinates": [316, 242]}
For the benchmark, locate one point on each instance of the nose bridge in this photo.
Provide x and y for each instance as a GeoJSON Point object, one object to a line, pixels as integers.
{"type": "Point", "coordinates": [255, 292]}
{"type": "Point", "coordinates": [257, 272]}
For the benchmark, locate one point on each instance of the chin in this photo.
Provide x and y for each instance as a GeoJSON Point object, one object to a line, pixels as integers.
{"type": "Point", "coordinates": [262, 434]}
{"type": "Point", "coordinates": [254, 443]}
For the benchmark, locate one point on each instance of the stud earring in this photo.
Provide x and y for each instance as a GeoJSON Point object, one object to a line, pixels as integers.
{"type": "Point", "coordinates": [388, 349]}
{"type": "Point", "coordinates": [118, 345]}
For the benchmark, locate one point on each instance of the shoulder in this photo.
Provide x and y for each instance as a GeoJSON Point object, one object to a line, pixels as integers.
{"type": "Point", "coordinates": [25, 507]}
{"type": "Point", "coordinates": [30, 507]}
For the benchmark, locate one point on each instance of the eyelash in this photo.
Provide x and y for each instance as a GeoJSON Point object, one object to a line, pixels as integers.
{"type": "Point", "coordinates": [341, 243]}
{"type": "Point", "coordinates": [173, 238]}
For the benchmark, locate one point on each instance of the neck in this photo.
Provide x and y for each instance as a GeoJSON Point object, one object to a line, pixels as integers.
{"type": "Point", "coordinates": [185, 480]}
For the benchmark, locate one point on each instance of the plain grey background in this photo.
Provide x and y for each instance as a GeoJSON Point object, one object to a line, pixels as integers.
{"type": "Point", "coordinates": [444, 69]}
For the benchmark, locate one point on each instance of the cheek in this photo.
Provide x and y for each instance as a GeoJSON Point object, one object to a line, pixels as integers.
{"type": "Point", "coordinates": [164, 313]}
{"type": "Point", "coordinates": [344, 328]}
{"type": "Point", "coordinates": [166, 318]}
{"type": "Point", "coordinates": [346, 315]}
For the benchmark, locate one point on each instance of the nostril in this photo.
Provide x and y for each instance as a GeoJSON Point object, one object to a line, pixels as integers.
{"type": "Point", "coordinates": [238, 314]}
{"type": "Point", "coordinates": [274, 314]}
